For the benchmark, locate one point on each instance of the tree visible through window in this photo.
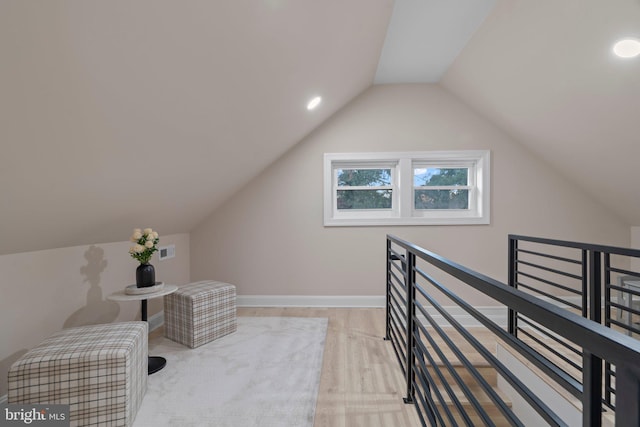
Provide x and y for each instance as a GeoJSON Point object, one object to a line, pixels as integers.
{"type": "Point", "coordinates": [364, 189]}
{"type": "Point", "coordinates": [441, 188]}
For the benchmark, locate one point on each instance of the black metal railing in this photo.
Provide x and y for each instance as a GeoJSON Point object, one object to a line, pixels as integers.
{"type": "Point", "coordinates": [598, 282]}
{"type": "Point", "coordinates": [445, 383]}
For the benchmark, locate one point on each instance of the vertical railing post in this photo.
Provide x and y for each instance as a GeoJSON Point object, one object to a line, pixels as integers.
{"type": "Point", "coordinates": [387, 334]}
{"type": "Point", "coordinates": [592, 365]}
{"type": "Point", "coordinates": [586, 279]}
{"type": "Point", "coordinates": [513, 259]}
{"type": "Point", "coordinates": [627, 395]}
{"type": "Point", "coordinates": [411, 310]}
{"type": "Point", "coordinates": [608, 368]}
{"type": "Point", "coordinates": [595, 286]}
{"type": "Point", "coordinates": [607, 289]}
{"type": "Point", "coordinates": [591, 390]}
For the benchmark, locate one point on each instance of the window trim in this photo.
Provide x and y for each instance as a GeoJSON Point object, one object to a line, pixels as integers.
{"type": "Point", "coordinates": [403, 210]}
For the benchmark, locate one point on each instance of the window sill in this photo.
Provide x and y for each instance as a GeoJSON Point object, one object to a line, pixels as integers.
{"type": "Point", "coordinates": [372, 222]}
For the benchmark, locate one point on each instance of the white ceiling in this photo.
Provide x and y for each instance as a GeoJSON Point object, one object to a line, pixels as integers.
{"type": "Point", "coordinates": [425, 36]}
{"type": "Point", "coordinates": [117, 114]}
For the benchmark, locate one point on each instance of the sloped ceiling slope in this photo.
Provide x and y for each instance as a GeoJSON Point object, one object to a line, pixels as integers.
{"type": "Point", "coordinates": [121, 114]}
{"type": "Point", "coordinates": [544, 71]}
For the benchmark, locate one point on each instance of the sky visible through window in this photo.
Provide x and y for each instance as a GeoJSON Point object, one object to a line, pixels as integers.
{"type": "Point", "coordinates": [446, 176]}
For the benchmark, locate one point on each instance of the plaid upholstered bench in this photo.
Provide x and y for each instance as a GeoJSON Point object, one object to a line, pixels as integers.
{"type": "Point", "coordinates": [200, 312]}
{"type": "Point", "coordinates": [99, 370]}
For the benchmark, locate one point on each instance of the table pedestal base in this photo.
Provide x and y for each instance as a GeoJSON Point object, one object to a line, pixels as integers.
{"type": "Point", "coordinates": [156, 363]}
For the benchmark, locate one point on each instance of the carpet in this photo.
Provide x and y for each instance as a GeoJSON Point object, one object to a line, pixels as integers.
{"type": "Point", "coordinates": [265, 374]}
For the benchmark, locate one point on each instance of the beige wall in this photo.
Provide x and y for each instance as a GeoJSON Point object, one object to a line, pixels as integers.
{"type": "Point", "coordinates": [269, 238]}
{"type": "Point", "coordinates": [46, 291]}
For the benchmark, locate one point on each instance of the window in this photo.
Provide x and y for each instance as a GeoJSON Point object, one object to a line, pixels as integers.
{"type": "Point", "coordinates": [417, 188]}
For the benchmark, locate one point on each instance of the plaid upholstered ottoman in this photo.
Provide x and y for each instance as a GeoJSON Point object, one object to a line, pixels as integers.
{"type": "Point", "coordinates": [100, 371]}
{"type": "Point", "coordinates": [200, 312]}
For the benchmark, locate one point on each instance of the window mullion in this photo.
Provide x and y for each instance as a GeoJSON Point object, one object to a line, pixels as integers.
{"type": "Point", "coordinates": [405, 187]}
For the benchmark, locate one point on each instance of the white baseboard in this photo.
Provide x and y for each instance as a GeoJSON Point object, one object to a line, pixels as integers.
{"type": "Point", "coordinates": [155, 321]}
{"type": "Point", "coordinates": [347, 301]}
{"type": "Point", "coordinates": [496, 314]}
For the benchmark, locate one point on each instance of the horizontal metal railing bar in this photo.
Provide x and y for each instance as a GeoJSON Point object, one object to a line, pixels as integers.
{"type": "Point", "coordinates": [425, 404]}
{"type": "Point", "coordinates": [400, 327]}
{"type": "Point", "coordinates": [396, 311]}
{"type": "Point", "coordinates": [624, 290]}
{"type": "Point", "coordinates": [398, 322]}
{"type": "Point", "coordinates": [549, 336]}
{"type": "Point", "coordinates": [549, 269]}
{"type": "Point", "coordinates": [480, 380]}
{"type": "Point", "coordinates": [592, 337]}
{"type": "Point", "coordinates": [396, 282]}
{"type": "Point", "coordinates": [400, 331]}
{"type": "Point", "coordinates": [462, 385]}
{"type": "Point", "coordinates": [625, 308]}
{"type": "Point", "coordinates": [398, 298]}
{"type": "Point", "coordinates": [445, 384]}
{"type": "Point", "coordinates": [397, 318]}
{"type": "Point", "coordinates": [399, 281]}
{"type": "Point", "coordinates": [587, 246]}
{"type": "Point", "coordinates": [611, 305]}
{"type": "Point", "coordinates": [549, 282]}
{"type": "Point", "coordinates": [548, 295]}
{"type": "Point", "coordinates": [537, 404]}
{"type": "Point", "coordinates": [558, 375]}
{"type": "Point", "coordinates": [397, 256]}
{"type": "Point", "coordinates": [397, 349]}
{"type": "Point", "coordinates": [430, 404]}
{"type": "Point", "coordinates": [559, 258]}
{"type": "Point", "coordinates": [622, 271]}
{"type": "Point", "coordinates": [454, 374]}
{"type": "Point", "coordinates": [551, 350]}
{"type": "Point", "coordinates": [395, 294]}
{"type": "Point", "coordinates": [398, 267]}
{"type": "Point", "coordinates": [625, 326]}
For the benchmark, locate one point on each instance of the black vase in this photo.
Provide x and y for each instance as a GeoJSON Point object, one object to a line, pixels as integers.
{"type": "Point", "coordinates": [145, 276]}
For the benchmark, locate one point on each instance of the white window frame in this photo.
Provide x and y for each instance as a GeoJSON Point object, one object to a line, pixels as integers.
{"type": "Point", "coordinates": [403, 210]}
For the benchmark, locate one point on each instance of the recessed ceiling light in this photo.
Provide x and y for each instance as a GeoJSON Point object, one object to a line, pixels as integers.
{"type": "Point", "coordinates": [314, 103]}
{"type": "Point", "coordinates": [627, 48]}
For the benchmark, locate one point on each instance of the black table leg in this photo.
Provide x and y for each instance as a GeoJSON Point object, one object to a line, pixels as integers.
{"type": "Point", "coordinates": [155, 363]}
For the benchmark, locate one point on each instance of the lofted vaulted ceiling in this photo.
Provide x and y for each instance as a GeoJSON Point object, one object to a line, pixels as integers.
{"type": "Point", "coordinates": [118, 114]}
{"type": "Point", "coordinates": [544, 71]}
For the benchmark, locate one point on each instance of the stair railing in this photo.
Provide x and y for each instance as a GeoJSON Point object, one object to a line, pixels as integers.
{"type": "Point", "coordinates": [420, 283]}
{"type": "Point", "coordinates": [592, 280]}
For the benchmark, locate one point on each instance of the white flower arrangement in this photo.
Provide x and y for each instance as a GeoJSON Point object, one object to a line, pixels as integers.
{"type": "Point", "coordinates": [146, 242]}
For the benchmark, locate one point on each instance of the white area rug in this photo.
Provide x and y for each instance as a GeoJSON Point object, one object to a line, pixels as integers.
{"type": "Point", "coordinates": [266, 374]}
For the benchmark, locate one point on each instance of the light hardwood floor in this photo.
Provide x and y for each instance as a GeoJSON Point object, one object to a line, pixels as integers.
{"type": "Point", "coordinates": [361, 382]}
